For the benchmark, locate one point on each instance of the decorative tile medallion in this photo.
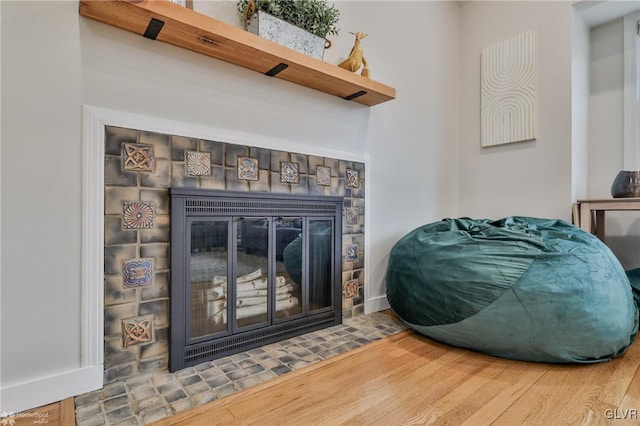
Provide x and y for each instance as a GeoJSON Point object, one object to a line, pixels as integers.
{"type": "Point", "coordinates": [289, 172]}
{"type": "Point", "coordinates": [351, 253]}
{"type": "Point", "coordinates": [351, 215]}
{"type": "Point", "coordinates": [138, 157]}
{"type": "Point", "coordinates": [247, 168]}
{"type": "Point", "coordinates": [138, 215]}
{"type": "Point", "coordinates": [352, 180]}
{"type": "Point", "coordinates": [137, 330]}
{"type": "Point", "coordinates": [198, 163]}
{"type": "Point", "coordinates": [138, 272]}
{"type": "Point", "coordinates": [350, 289]}
{"type": "Point", "coordinates": [323, 176]}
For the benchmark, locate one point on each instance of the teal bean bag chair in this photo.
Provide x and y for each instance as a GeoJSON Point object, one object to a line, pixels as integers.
{"type": "Point", "coordinates": [521, 288]}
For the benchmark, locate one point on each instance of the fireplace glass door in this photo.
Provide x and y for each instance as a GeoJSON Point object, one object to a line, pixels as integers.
{"type": "Point", "coordinates": [289, 267]}
{"type": "Point", "coordinates": [208, 289]}
{"type": "Point", "coordinates": [293, 291]}
{"type": "Point", "coordinates": [320, 264]}
{"type": "Point", "coordinates": [252, 272]}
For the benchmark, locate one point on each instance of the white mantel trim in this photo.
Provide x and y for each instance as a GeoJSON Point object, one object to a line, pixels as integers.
{"type": "Point", "coordinates": [199, 131]}
{"type": "Point", "coordinates": [94, 121]}
{"type": "Point", "coordinates": [92, 294]}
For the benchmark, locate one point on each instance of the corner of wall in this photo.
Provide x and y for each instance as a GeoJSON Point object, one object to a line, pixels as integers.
{"type": "Point", "coordinates": [579, 108]}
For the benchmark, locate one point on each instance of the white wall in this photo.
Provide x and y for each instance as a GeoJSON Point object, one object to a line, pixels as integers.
{"type": "Point", "coordinates": [606, 107]}
{"type": "Point", "coordinates": [606, 136]}
{"type": "Point", "coordinates": [223, 10]}
{"type": "Point", "coordinates": [54, 61]}
{"type": "Point", "coordinates": [527, 178]}
{"type": "Point", "coordinates": [412, 144]}
{"type": "Point", "coordinates": [580, 109]}
{"type": "Point", "coordinates": [40, 152]}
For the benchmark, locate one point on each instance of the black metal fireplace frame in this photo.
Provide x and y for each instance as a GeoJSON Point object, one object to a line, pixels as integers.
{"type": "Point", "coordinates": [187, 204]}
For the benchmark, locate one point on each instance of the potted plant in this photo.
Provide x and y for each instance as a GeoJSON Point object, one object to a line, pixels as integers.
{"type": "Point", "coordinates": [302, 25]}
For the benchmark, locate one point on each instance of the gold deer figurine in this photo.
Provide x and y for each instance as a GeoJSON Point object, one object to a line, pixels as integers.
{"type": "Point", "coordinates": [356, 59]}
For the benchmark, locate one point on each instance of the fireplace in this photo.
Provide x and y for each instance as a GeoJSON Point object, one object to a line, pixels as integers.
{"type": "Point", "coordinates": [141, 167]}
{"type": "Point", "coordinates": [282, 254]}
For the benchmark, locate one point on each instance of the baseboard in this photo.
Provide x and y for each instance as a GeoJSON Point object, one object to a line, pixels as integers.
{"type": "Point", "coordinates": [376, 304]}
{"type": "Point", "coordinates": [47, 390]}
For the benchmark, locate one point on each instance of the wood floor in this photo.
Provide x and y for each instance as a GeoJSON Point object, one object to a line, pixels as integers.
{"type": "Point", "coordinates": [408, 379]}
{"type": "Point", "coordinates": [60, 413]}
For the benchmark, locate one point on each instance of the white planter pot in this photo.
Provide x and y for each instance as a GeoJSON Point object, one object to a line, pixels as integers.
{"type": "Point", "coordinates": [281, 32]}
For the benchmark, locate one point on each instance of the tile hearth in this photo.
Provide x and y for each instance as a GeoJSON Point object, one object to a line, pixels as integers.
{"type": "Point", "coordinates": [149, 397]}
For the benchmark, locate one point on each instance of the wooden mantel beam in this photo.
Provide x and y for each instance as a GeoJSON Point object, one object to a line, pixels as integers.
{"type": "Point", "coordinates": [168, 22]}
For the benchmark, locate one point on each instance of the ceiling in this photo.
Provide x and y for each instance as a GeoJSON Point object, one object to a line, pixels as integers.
{"type": "Point", "coordinates": [595, 13]}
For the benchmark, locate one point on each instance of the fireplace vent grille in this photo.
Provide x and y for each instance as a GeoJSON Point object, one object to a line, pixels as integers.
{"type": "Point", "coordinates": [253, 339]}
{"type": "Point", "coordinates": [248, 207]}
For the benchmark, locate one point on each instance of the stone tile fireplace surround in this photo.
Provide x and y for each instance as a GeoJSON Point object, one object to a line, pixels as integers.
{"type": "Point", "coordinates": [139, 167]}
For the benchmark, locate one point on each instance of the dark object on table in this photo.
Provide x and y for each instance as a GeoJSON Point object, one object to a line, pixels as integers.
{"type": "Point", "coordinates": [626, 184]}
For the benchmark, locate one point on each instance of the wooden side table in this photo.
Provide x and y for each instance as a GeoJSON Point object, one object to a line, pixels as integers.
{"type": "Point", "coordinates": [591, 212]}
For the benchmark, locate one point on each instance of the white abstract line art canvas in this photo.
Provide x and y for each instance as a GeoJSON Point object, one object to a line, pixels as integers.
{"type": "Point", "coordinates": [508, 91]}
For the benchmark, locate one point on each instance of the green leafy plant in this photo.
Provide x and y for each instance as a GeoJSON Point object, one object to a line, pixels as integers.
{"type": "Point", "coordinates": [315, 16]}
